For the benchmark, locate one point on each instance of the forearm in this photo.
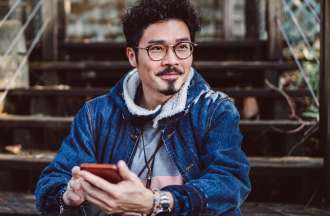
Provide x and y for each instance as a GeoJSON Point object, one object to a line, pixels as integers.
{"type": "Point", "coordinates": [212, 194]}
{"type": "Point", "coordinates": [186, 200]}
{"type": "Point", "coordinates": [47, 196]}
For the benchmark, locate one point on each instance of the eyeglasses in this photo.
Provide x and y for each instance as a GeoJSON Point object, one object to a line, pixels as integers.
{"type": "Point", "coordinates": [157, 52]}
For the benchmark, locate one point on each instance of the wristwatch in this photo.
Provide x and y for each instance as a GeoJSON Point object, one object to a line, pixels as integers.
{"type": "Point", "coordinates": [163, 207]}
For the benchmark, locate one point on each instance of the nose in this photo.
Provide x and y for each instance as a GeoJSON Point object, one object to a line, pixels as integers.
{"type": "Point", "coordinates": [170, 58]}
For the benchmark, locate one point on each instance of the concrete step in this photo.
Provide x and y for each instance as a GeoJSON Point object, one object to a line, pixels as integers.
{"type": "Point", "coordinates": [106, 73]}
{"type": "Point", "coordinates": [17, 204]}
{"type": "Point", "coordinates": [27, 121]}
{"type": "Point", "coordinates": [296, 177]}
{"type": "Point", "coordinates": [95, 91]}
{"type": "Point", "coordinates": [23, 204]}
{"type": "Point", "coordinates": [35, 160]}
{"type": "Point", "coordinates": [207, 68]}
{"type": "Point", "coordinates": [214, 43]}
{"type": "Point", "coordinates": [206, 50]}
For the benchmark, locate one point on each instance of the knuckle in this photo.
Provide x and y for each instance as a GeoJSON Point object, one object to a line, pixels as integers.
{"type": "Point", "coordinates": [111, 204]}
{"type": "Point", "coordinates": [88, 192]}
{"type": "Point", "coordinates": [115, 195]}
{"type": "Point", "coordinates": [114, 205]}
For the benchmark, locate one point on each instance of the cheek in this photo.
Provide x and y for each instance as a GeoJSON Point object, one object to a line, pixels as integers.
{"type": "Point", "coordinates": [150, 65]}
{"type": "Point", "coordinates": [187, 65]}
{"type": "Point", "coordinates": [147, 69]}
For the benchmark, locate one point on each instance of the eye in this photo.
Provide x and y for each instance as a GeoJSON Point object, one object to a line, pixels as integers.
{"type": "Point", "coordinates": [182, 46]}
{"type": "Point", "coordinates": [156, 48]}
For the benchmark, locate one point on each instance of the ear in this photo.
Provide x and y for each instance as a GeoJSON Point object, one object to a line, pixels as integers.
{"type": "Point", "coordinates": [131, 56]}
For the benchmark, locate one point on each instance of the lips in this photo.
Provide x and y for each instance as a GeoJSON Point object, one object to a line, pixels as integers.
{"type": "Point", "coordinates": [169, 75]}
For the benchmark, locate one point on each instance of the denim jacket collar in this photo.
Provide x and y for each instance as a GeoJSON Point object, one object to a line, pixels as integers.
{"type": "Point", "coordinates": [197, 87]}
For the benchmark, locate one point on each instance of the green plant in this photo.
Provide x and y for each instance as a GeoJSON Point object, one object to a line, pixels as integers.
{"type": "Point", "coordinates": [313, 73]}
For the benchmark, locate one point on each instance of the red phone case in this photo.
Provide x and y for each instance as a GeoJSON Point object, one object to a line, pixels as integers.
{"type": "Point", "coordinates": [108, 172]}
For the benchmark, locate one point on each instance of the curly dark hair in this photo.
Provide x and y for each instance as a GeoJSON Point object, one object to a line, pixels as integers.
{"type": "Point", "coordinates": [147, 12]}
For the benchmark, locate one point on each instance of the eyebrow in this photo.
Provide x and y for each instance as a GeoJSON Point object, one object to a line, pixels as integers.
{"type": "Point", "coordinates": [164, 42]}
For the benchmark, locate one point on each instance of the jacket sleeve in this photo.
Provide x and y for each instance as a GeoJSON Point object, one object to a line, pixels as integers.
{"type": "Point", "coordinates": [224, 182]}
{"type": "Point", "coordinates": [78, 147]}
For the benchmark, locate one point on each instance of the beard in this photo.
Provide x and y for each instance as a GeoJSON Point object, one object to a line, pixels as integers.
{"type": "Point", "coordinates": [170, 90]}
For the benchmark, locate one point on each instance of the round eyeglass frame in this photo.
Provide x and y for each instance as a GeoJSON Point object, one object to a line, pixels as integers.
{"type": "Point", "coordinates": [147, 48]}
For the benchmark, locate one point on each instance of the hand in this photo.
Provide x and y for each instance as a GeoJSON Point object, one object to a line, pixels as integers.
{"type": "Point", "coordinates": [129, 195]}
{"type": "Point", "coordinates": [74, 196]}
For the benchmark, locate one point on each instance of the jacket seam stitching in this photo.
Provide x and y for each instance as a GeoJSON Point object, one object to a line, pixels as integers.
{"type": "Point", "coordinates": [211, 119]}
{"type": "Point", "coordinates": [89, 117]}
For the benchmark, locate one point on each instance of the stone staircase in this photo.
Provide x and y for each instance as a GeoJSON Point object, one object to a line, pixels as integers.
{"type": "Point", "coordinates": [39, 117]}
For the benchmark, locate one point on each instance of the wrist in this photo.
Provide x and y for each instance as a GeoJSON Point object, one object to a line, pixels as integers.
{"type": "Point", "coordinates": [149, 201]}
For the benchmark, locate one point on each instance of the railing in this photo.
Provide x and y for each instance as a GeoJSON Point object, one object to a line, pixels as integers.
{"type": "Point", "coordinates": [10, 50]}
{"type": "Point", "coordinates": [301, 25]}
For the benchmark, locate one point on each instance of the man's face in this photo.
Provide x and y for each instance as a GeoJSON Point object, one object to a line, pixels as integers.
{"type": "Point", "coordinates": [167, 75]}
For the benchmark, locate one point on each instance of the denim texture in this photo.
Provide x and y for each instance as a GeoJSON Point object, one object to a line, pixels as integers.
{"type": "Point", "coordinates": [203, 141]}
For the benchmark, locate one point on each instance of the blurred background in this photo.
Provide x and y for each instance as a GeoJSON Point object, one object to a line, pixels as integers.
{"type": "Point", "coordinates": [265, 54]}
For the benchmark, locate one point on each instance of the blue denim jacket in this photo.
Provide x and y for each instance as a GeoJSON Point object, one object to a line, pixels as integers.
{"type": "Point", "coordinates": [203, 141]}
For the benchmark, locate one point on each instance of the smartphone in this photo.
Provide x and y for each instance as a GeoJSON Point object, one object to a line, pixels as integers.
{"type": "Point", "coordinates": [108, 172]}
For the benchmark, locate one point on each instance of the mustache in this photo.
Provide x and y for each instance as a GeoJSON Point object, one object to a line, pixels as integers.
{"type": "Point", "coordinates": [169, 70]}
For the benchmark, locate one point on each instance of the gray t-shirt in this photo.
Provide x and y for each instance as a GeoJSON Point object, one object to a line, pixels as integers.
{"type": "Point", "coordinates": [165, 171]}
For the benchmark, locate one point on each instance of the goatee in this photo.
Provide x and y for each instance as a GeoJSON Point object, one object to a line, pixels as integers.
{"type": "Point", "coordinates": [171, 90]}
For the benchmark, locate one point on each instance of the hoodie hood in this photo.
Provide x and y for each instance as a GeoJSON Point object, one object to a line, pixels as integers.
{"type": "Point", "coordinates": [124, 92]}
{"type": "Point", "coordinates": [174, 105]}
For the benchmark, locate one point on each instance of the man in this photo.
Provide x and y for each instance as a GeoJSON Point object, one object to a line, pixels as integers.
{"type": "Point", "coordinates": [176, 143]}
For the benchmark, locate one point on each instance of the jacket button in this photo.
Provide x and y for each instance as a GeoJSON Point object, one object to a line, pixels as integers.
{"type": "Point", "coordinates": [188, 168]}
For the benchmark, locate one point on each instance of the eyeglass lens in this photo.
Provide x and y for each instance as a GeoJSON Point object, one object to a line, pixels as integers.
{"type": "Point", "coordinates": [158, 51]}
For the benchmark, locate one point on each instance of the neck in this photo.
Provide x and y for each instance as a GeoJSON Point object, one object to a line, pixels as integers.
{"type": "Point", "coordinates": [150, 100]}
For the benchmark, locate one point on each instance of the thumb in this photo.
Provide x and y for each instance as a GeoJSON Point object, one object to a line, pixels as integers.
{"type": "Point", "coordinates": [125, 173]}
{"type": "Point", "coordinates": [75, 172]}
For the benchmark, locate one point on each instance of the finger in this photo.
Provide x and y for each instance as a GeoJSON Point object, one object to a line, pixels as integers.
{"type": "Point", "coordinates": [104, 207]}
{"type": "Point", "coordinates": [73, 197]}
{"type": "Point", "coordinates": [98, 182]}
{"type": "Point", "coordinates": [101, 195]}
{"type": "Point", "coordinates": [75, 185]}
{"type": "Point", "coordinates": [75, 172]}
{"type": "Point", "coordinates": [125, 173]}
{"type": "Point", "coordinates": [98, 197]}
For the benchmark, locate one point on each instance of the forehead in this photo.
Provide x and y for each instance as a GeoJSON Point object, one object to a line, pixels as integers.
{"type": "Point", "coordinates": [168, 31]}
